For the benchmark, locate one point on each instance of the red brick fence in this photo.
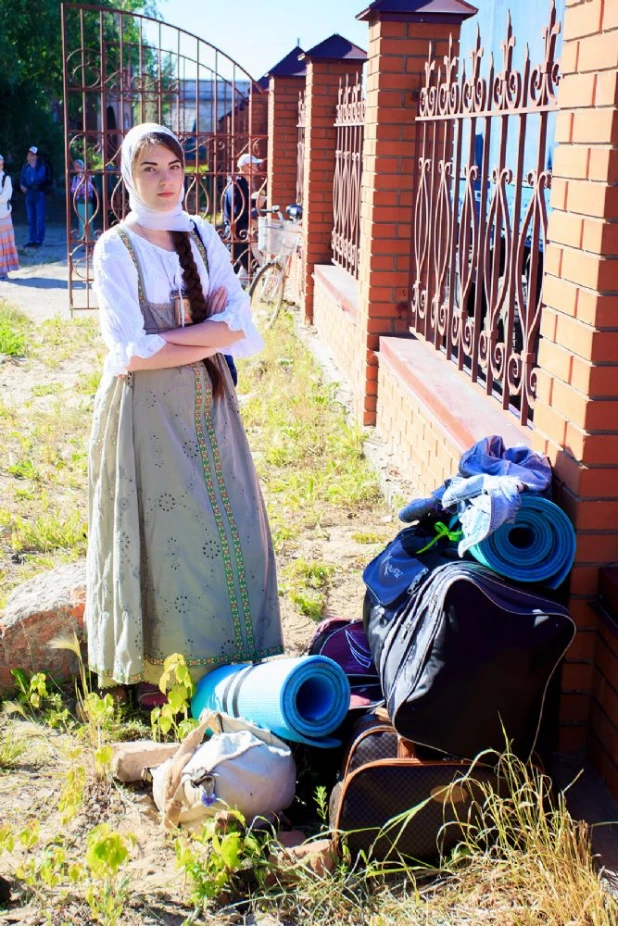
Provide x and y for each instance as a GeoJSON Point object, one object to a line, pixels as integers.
{"type": "Point", "coordinates": [556, 318]}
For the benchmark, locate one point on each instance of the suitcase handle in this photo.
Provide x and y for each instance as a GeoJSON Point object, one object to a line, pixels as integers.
{"type": "Point", "coordinates": [405, 748]}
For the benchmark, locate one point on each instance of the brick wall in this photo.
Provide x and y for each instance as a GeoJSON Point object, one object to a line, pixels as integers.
{"type": "Point", "coordinates": [335, 319]}
{"type": "Point", "coordinates": [323, 80]}
{"type": "Point", "coordinates": [427, 414]}
{"type": "Point", "coordinates": [576, 420]}
{"type": "Point", "coordinates": [413, 435]}
{"type": "Point", "coordinates": [282, 137]}
{"type": "Point", "coordinates": [395, 66]}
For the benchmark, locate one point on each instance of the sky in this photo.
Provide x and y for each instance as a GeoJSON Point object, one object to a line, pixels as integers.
{"type": "Point", "coordinates": [258, 33]}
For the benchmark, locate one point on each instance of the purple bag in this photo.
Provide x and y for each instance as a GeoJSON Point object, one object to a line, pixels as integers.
{"type": "Point", "coordinates": [344, 641]}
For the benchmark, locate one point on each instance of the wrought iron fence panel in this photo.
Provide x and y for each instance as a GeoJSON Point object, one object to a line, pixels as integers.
{"type": "Point", "coordinates": [349, 124]}
{"type": "Point", "coordinates": [122, 68]}
{"type": "Point", "coordinates": [480, 226]}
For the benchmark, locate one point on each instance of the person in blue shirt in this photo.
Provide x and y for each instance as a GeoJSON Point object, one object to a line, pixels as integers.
{"type": "Point", "coordinates": [32, 181]}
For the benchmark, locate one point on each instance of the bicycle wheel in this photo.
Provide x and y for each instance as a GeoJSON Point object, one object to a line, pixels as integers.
{"type": "Point", "coordinates": [266, 292]}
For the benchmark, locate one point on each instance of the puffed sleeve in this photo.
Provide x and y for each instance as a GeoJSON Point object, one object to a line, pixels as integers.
{"type": "Point", "coordinates": [122, 323]}
{"type": "Point", "coordinates": [237, 313]}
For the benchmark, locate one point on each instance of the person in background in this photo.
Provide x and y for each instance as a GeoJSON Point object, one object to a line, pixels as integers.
{"type": "Point", "coordinates": [8, 252]}
{"type": "Point", "coordinates": [82, 196]}
{"type": "Point", "coordinates": [32, 183]}
{"type": "Point", "coordinates": [237, 204]}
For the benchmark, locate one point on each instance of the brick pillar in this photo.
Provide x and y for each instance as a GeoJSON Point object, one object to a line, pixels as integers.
{"type": "Point", "coordinates": [283, 94]}
{"type": "Point", "coordinates": [576, 414]}
{"type": "Point", "coordinates": [326, 67]}
{"type": "Point", "coordinates": [399, 42]}
{"type": "Point", "coordinates": [259, 119]}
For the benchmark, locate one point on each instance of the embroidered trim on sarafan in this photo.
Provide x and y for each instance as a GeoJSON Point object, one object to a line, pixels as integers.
{"type": "Point", "coordinates": [106, 679]}
{"type": "Point", "coordinates": [245, 656]}
{"type": "Point", "coordinates": [204, 414]}
{"type": "Point", "coordinates": [129, 246]}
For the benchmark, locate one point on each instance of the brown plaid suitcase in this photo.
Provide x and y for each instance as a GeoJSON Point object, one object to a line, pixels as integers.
{"type": "Point", "coordinates": [392, 799]}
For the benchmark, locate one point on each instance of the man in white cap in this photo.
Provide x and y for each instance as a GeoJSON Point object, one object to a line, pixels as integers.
{"type": "Point", "coordinates": [32, 181]}
{"type": "Point", "coordinates": [237, 204]}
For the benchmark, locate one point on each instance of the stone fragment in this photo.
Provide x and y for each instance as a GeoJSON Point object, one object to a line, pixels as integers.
{"type": "Point", "coordinates": [50, 605]}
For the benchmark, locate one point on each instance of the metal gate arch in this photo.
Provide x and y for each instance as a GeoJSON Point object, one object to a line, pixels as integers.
{"type": "Point", "coordinates": [123, 68]}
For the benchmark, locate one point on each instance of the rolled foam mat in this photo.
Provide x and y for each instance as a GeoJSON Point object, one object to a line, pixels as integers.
{"type": "Point", "coordinates": [539, 546]}
{"type": "Point", "coordinates": [303, 698]}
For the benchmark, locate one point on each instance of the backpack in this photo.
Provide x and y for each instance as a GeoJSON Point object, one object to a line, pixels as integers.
{"type": "Point", "coordinates": [344, 641]}
{"type": "Point", "coordinates": [466, 658]}
{"type": "Point", "coordinates": [8, 202]}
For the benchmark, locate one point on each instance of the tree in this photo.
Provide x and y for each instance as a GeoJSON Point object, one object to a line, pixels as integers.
{"type": "Point", "coordinates": [31, 81]}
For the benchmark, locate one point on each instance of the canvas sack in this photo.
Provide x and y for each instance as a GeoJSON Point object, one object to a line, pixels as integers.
{"type": "Point", "coordinates": [240, 767]}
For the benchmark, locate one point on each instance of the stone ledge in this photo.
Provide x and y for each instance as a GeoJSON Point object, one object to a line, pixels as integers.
{"type": "Point", "coordinates": [340, 285]}
{"type": "Point", "coordinates": [457, 406]}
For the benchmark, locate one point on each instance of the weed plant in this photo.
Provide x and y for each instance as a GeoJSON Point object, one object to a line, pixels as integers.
{"type": "Point", "coordinates": [13, 332]}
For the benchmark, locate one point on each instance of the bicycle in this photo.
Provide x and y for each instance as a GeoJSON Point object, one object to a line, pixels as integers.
{"type": "Point", "coordinates": [278, 240]}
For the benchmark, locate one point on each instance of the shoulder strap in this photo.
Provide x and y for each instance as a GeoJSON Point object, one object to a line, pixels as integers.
{"type": "Point", "coordinates": [141, 292]}
{"type": "Point", "coordinates": [199, 243]}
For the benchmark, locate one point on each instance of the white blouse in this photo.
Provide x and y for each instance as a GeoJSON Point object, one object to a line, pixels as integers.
{"type": "Point", "coordinates": [115, 285]}
{"type": "Point", "coordinates": [5, 196]}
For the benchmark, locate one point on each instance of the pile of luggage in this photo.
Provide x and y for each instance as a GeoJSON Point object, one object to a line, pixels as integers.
{"type": "Point", "coordinates": [462, 656]}
{"type": "Point", "coordinates": [461, 633]}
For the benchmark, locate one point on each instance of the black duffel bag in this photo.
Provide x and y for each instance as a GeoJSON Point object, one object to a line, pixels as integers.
{"type": "Point", "coordinates": [464, 657]}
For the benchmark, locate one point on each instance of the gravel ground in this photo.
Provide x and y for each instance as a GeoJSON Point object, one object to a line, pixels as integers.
{"type": "Point", "coordinates": [40, 288]}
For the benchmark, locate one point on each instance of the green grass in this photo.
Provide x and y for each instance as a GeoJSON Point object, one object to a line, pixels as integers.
{"type": "Point", "coordinates": [13, 332]}
{"type": "Point", "coordinates": [307, 584]}
{"type": "Point", "coordinates": [308, 457]}
{"type": "Point", "coordinates": [43, 455]}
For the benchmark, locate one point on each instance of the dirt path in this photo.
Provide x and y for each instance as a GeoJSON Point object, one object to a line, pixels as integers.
{"type": "Point", "coordinates": [40, 287]}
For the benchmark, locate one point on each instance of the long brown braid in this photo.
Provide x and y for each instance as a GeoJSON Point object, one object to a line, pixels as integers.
{"type": "Point", "coordinates": [190, 275]}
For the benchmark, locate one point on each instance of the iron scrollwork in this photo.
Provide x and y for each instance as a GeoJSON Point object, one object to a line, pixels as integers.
{"type": "Point", "coordinates": [480, 226]}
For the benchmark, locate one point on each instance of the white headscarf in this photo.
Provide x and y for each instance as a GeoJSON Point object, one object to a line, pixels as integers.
{"type": "Point", "coordinates": [173, 220]}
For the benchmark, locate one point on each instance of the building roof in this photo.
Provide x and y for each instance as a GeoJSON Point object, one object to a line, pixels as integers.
{"type": "Point", "coordinates": [446, 11]}
{"type": "Point", "coordinates": [289, 66]}
{"type": "Point", "coordinates": [336, 46]}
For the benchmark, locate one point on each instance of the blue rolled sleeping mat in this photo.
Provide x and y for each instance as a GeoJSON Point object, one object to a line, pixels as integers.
{"type": "Point", "coordinates": [539, 546]}
{"type": "Point", "coordinates": [303, 698]}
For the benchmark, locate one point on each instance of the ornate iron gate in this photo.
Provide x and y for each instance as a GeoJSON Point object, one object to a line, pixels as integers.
{"type": "Point", "coordinates": [349, 127]}
{"type": "Point", "coordinates": [481, 215]}
{"type": "Point", "coordinates": [121, 69]}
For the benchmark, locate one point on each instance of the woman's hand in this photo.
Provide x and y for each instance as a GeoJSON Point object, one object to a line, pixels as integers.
{"type": "Point", "coordinates": [217, 300]}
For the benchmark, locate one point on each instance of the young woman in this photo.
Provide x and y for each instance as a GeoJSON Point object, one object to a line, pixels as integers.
{"type": "Point", "coordinates": [180, 558]}
{"type": "Point", "coordinates": [8, 252]}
